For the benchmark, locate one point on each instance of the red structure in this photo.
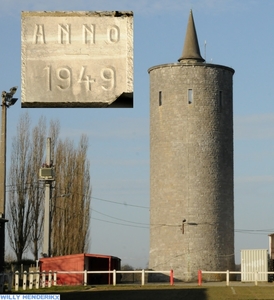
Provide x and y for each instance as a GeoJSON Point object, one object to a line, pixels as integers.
{"type": "Point", "coordinates": [200, 277]}
{"type": "Point", "coordinates": [81, 262]}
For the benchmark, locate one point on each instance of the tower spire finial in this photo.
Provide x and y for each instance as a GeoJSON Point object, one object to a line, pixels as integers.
{"type": "Point", "coordinates": [191, 51]}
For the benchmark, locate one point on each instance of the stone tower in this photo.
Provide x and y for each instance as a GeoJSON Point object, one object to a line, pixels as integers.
{"type": "Point", "coordinates": [191, 161]}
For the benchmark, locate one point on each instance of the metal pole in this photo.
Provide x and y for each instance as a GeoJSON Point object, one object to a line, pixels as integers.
{"type": "Point", "coordinates": [7, 101]}
{"type": "Point", "coordinates": [199, 277]}
{"type": "Point", "coordinates": [3, 186]}
{"type": "Point", "coordinates": [171, 279]}
{"type": "Point", "coordinates": [143, 277]}
{"type": "Point", "coordinates": [47, 217]}
{"type": "Point", "coordinates": [227, 278]}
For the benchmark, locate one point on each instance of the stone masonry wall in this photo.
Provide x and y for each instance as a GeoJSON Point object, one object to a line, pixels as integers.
{"type": "Point", "coordinates": [191, 169]}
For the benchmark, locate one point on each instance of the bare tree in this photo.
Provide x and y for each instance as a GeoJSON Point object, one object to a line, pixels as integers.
{"type": "Point", "coordinates": [83, 192]}
{"type": "Point", "coordinates": [71, 191]}
{"type": "Point", "coordinates": [71, 201]}
{"type": "Point", "coordinates": [36, 192]}
{"type": "Point", "coordinates": [54, 130]}
{"type": "Point", "coordinates": [19, 204]}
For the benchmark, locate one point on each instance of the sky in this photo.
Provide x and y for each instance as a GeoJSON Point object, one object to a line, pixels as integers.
{"type": "Point", "coordinates": [237, 34]}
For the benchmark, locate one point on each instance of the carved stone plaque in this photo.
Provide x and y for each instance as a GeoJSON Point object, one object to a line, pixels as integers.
{"type": "Point", "coordinates": [77, 59]}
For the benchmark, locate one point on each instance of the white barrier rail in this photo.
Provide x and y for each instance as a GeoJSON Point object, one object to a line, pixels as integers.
{"type": "Point", "coordinates": [255, 273]}
{"type": "Point", "coordinates": [47, 279]}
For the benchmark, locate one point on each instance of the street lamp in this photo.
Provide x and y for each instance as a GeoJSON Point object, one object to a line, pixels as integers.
{"type": "Point", "coordinates": [7, 101]}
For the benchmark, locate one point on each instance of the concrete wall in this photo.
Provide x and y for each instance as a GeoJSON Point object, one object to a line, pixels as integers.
{"type": "Point", "coordinates": [191, 169]}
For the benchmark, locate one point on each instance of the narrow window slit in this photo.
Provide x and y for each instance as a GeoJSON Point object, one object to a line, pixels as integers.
{"type": "Point", "coordinates": [190, 96]}
{"type": "Point", "coordinates": [160, 98]}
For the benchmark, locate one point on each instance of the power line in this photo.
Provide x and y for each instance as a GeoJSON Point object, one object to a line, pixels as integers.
{"type": "Point", "coordinates": [119, 203]}
{"type": "Point", "coordinates": [13, 188]}
{"type": "Point", "coordinates": [142, 225]}
{"type": "Point", "coordinates": [132, 222]}
{"type": "Point", "coordinates": [255, 231]}
{"type": "Point", "coordinates": [145, 225]}
{"type": "Point", "coordinates": [126, 225]}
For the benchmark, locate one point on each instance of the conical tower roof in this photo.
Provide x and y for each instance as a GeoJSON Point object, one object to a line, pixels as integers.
{"type": "Point", "coordinates": [191, 51]}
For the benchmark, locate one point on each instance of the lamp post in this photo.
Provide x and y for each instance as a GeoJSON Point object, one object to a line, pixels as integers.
{"type": "Point", "coordinates": [7, 101]}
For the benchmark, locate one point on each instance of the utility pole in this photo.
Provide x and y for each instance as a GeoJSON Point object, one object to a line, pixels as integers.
{"type": "Point", "coordinates": [47, 175]}
{"type": "Point", "coordinates": [7, 101]}
{"type": "Point", "coordinates": [3, 186]}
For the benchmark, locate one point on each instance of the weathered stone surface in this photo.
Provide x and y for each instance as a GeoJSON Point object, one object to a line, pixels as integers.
{"type": "Point", "coordinates": [191, 169]}
{"type": "Point", "coordinates": [77, 59]}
